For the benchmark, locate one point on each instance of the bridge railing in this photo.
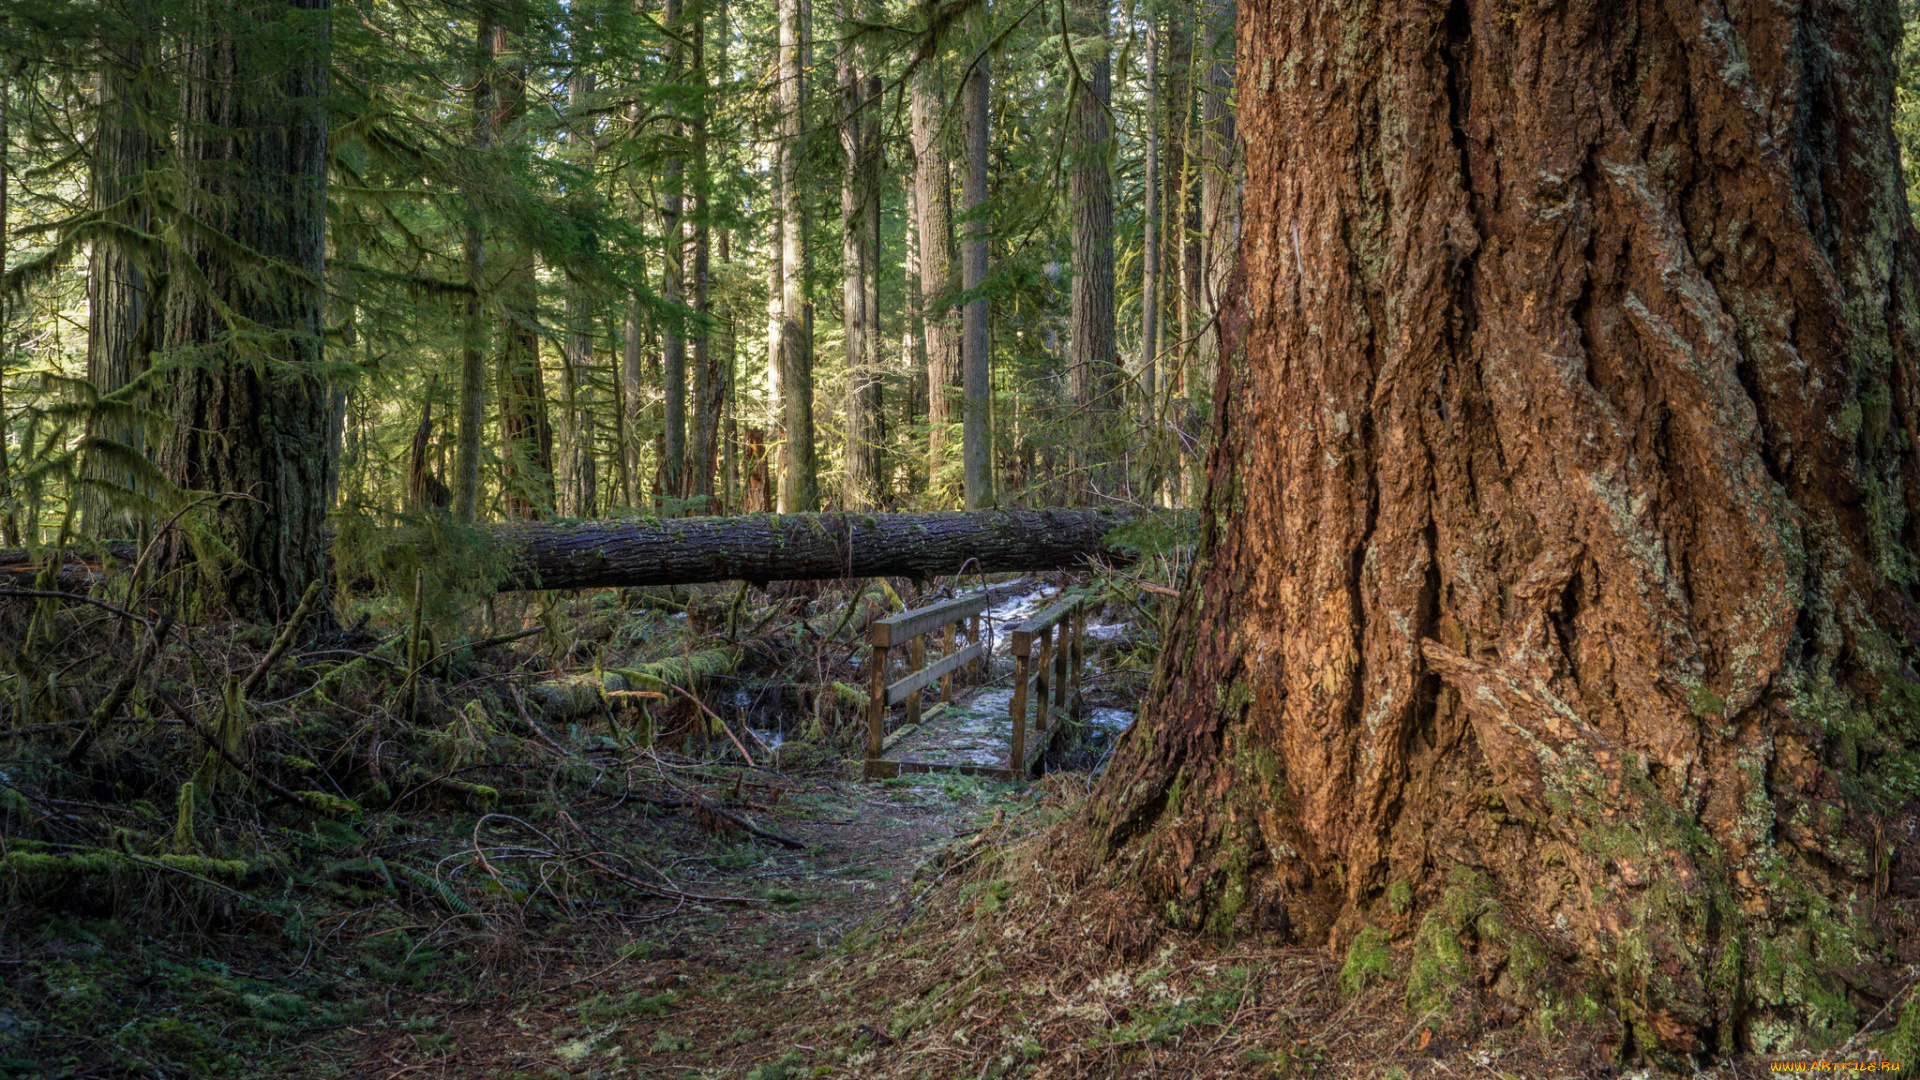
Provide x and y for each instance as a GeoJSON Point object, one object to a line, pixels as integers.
{"type": "Point", "coordinates": [1036, 672]}
{"type": "Point", "coordinates": [909, 631]}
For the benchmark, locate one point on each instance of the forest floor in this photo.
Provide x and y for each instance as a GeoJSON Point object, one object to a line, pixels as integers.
{"type": "Point", "coordinates": [933, 926]}
{"type": "Point", "coordinates": [596, 909]}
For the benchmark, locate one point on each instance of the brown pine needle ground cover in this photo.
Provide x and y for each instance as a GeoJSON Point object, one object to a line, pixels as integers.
{"type": "Point", "coordinates": [486, 891]}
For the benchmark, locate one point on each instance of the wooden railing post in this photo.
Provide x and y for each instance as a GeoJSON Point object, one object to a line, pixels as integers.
{"type": "Point", "coordinates": [977, 673]}
{"type": "Point", "coordinates": [1060, 663]}
{"type": "Point", "coordinates": [1044, 665]}
{"type": "Point", "coordinates": [877, 703]}
{"type": "Point", "coordinates": [1018, 762]}
{"type": "Point", "coordinates": [918, 659]}
{"type": "Point", "coordinates": [946, 681]}
{"type": "Point", "coordinates": [1079, 658]}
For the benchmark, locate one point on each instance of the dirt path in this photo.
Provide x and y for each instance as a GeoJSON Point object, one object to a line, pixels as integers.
{"type": "Point", "coordinates": [708, 988]}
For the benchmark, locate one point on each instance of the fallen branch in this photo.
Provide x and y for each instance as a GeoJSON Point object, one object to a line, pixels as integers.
{"type": "Point", "coordinates": [702, 804]}
{"type": "Point", "coordinates": [47, 594]}
{"type": "Point", "coordinates": [118, 695]}
{"type": "Point", "coordinates": [297, 798]}
{"type": "Point", "coordinates": [284, 641]}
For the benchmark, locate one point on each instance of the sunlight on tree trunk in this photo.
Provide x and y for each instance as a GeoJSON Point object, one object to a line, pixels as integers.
{"type": "Point", "coordinates": [1546, 554]}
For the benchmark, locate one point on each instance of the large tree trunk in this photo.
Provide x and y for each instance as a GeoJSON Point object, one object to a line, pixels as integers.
{"type": "Point", "coordinates": [799, 487]}
{"type": "Point", "coordinates": [1557, 543]}
{"type": "Point", "coordinates": [857, 266]}
{"type": "Point", "coordinates": [249, 416]}
{"type": "Point", "coordinates": [577, 434]}
{"type": "Point", "coordinates": [120, 323]}
{"type": "Point", "coordinates": [800, 547]}
{"type": "Point", "coordinates": [526, 434]}
{"type": "Point", "coordinates": [933, 199]}
{"type": "Point", "coordinates": [977, 431]}
{"type": "Point", "coordinates": [473, 363]}
{"type": "Point", "coordinates": [708, 384]}
{"type": "Point", "coordinates": [633, 552]}
{"type": "Point", "coordinates": [1091, 353]}
{"type": "Point", "coordinates": [673, 246]}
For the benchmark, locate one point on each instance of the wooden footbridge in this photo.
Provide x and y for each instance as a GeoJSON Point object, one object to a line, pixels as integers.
{"type": "Point", "coordinates": [973, 732]}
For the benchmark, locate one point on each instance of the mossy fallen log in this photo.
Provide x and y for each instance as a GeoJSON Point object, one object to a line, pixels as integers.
{"type": "Point", "coordinates": [579, 695]}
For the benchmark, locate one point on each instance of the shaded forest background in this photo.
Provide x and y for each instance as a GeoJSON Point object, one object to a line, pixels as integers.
{"type": "Point", "coordinates": [553, 234]}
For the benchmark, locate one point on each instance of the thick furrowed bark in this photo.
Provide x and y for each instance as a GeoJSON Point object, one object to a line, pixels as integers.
{"type": "Point", "coordinates": [250, 417]}
{"type": "Point", "coordinates": [1560, 518]}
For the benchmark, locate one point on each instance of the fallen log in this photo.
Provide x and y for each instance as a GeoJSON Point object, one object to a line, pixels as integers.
{"type": "Point", "coordinates": [572, 696]}
{"type": "Point", "coordinates": [801, 547]}
{"type": "Point", "coordinates": [633, 552]}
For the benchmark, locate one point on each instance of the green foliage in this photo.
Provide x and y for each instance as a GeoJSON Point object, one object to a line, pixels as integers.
{"type": "Point", "coordinates": [1164, 1020]}
{"type": "Point", "coordinates": [1157, 534]}
{"type": "Point", "coordinates": [637, 1003]}
{"type": "Point", "coordinates": [791, 1064]}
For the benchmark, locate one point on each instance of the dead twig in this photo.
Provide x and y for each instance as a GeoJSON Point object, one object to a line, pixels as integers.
{"type": "Point", "coordinates": [118, 695]}
{"type": "Point", "coordinates": [235, 760]}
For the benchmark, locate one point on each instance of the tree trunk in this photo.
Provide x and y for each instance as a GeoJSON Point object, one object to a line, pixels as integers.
{"type": "Point", "coordinates": [729, 350]}
{"type": "Point", "coordinates": [1150, 268]}
{"type": "Point", "coordinates": [708, 384]}
{"type": "Point", "coordinates": [797, 483]}
{"type": "Point", "coordinates": [577, 434]}
{"type": "Point", "coordinates": [1092, 355]}
{"type": "Point", "coordinates": [801, 547]}
{"type": "Point", "coordinates": [120, 333]}
{"type": "Point", "coordinates": [799, 487]}
{"type": "Point", "coordinates": [473, 364]}
{"type": "Point", "coordinates": [673, 340]}
{"type": "Point", "coordinates": [1557, 549]}
{"type": "Point", "coordinates": [933, 198]}
{"type": "Point", "coordinates": [9, 526]}
{"type": "Point", "coordinates": [633, 375]}
{"type": "Point", "coordinates": [871, 168]}
{"type": "Point", "coordinates": [912, 356]}
{"type": "Point", "coordinates": [526, 434]}
{"type": "Point", "coordinates": [1219, 181]}
{"type": "Point", "coordinates": [775, 304]}
{"type": "Point", "coordinates": [250, 416]}
{"type": "Point", "coordinates": [976, 358]}
{"type": "Point", "coordinates": [858, 265]}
